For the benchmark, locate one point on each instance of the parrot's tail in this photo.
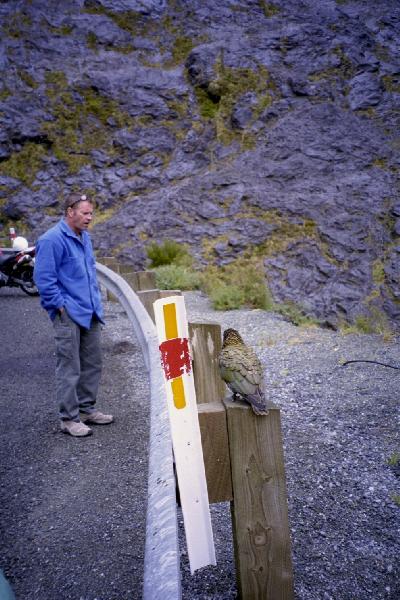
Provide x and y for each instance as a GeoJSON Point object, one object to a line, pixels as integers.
{"type": "Point", "coordinates": [258, 403]}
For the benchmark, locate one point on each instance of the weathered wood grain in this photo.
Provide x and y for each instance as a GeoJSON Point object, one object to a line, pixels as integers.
{"type": "Point", "coordinates": [132, 279]}
{"type": "Point", "coordinates": [214, 438]}
{"type": "Point", "coordinates": [146, 280]}
{"type": "Point", "coordinates": [205, 341]}
{"type": "Point", "coordinates": [259, 508]}
{"type": "Point", "coordinates": [147, 297]}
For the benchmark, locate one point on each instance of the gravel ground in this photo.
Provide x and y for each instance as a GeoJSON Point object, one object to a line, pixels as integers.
{"type": "Point", "coordinates": [340, 426]}
{"type": "Point", "coordinates": [72, 512]}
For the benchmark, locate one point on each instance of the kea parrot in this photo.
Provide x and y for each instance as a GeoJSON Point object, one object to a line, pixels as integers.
{"type": "Point", "coordinates": [242, 372]}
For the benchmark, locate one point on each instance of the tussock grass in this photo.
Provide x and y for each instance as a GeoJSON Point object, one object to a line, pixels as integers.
{"type": "Point", "coordinates": [375, 323]}
{"type": "Point", "coordinates": [177, 277]}
{"type": "Point", "coordinates": [239, 284]}
{"type": "Point", "coordinates": [169, 252]}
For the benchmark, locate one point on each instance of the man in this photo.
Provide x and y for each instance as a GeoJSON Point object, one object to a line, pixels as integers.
{"type": "Point", "coordinates": [65, 275]}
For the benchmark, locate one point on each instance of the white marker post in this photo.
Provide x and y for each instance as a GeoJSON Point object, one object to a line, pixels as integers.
{"type": "Point", "coordinates": [173, 334]}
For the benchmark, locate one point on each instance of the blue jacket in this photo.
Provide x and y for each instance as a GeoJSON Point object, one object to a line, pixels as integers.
{"type": "Point", "coordinates": [65, 274]}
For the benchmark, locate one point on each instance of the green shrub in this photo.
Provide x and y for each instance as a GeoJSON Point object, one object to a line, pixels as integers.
{"type": "Point", "coordinates": [92, 41]}
{"type": "Point", "coordinates": [365, 324]}
{"type": "Point", "coordinates": [23, 165]}
{"type": "Point", "coordinates": [167, 253]}
{"type": "Point", "coordinates": [240, 283]}
{"type": "Point", "coordinates": [226, 297]}
{"type": "Point", "coordinates": [394, 459]}
{"type": "Point", "coordinates": [208, 106]}
{"type": "Point", "coordinates": [269, 9]}
{"type": "Point", "coordinates": [176, 277]}
{"type": "Point", "coordinates": [181, 48]}
{"type": "Point", "coordinates": [256, 292]}
{"type": "Point", "coordinates": [396, 499]}
{"type": "Point", "coordinates": [376, 322]}
{"type": "Point", "coordinates": [378, 272]}
{"type": "Point", "coordinates": [294, 314]}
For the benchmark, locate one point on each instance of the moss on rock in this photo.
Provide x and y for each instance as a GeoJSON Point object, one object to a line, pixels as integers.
{"type": "Point", "coordinates": [23, 164]}
{"type": "Point", "coordinates": [218, 99]}
{"type": "Point", "coordinates": [80, 122]}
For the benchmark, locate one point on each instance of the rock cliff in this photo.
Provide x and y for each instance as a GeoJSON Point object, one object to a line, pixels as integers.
{"type": "Point", "coordinates": [240, 127]}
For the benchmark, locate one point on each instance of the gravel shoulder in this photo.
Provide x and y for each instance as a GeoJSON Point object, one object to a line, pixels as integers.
{"type": "Point", "coordinates": [72, 512]}
{"type": "Point", "coordinates": [340, 427]}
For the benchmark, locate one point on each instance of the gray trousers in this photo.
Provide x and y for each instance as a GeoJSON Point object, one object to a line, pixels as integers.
{"type": "Point", "coordinates": [78, 368]}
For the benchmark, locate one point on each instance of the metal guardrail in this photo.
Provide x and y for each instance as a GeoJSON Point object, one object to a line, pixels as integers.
{"type": "Point", "coordinates": [162, 579]}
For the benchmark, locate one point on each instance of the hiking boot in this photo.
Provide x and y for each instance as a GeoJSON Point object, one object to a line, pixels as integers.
{"type": "Point", "coordinates": [97, 418]}
{"type": "Point", "coordinates": [77, 429]}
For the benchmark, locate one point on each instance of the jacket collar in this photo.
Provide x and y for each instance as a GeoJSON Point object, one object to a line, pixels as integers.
{"type": "Point", "coordinates": [65, 228]}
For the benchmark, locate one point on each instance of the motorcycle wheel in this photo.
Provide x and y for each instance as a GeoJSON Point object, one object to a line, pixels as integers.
{"type": "Point", "coordinates": [30, 289]}
{"type": "Point", "coordinates": [29, 286]}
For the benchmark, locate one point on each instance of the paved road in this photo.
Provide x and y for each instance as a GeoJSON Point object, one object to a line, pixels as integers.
{"type": "Point", "coordinates": [72, 511]}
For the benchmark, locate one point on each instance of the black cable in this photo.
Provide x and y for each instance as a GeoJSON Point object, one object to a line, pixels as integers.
{"type": "Point", "coordinates": [375, 362]}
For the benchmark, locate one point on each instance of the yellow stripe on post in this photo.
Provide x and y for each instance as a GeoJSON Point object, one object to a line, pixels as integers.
{"type": "Point", "coordinates": [178, 392]}
{"type": "Point", "coordinates": [171, 333]}
{"type": "Point", "coordinates": [171, 324]}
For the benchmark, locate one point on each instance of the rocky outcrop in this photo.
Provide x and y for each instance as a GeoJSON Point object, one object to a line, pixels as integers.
{"type": "Point", "coordinates": [235, 127]}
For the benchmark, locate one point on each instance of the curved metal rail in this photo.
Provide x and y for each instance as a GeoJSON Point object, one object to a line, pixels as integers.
{"type": "Point", "coordinates": [161, 564]}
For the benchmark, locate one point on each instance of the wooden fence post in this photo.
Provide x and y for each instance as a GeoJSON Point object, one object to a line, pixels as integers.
{"type": "Point", "coordinates": [108, 261]}
{"type": "Point", "coordinates": [214, 439]}
{"type": "Point", "coordinates": [132, 279]}
{"type": "Point", "coordinates": [167, 293]}
{"type": "Point", "coordinates": [140, 281]}
{"type": "Point", "coordinates": [126, 269]}
{"type": "Point", "coordinates": [147, 297]}
{"type": "Point", "coordinates": [146, 280]}
{"type": "Point", "coordinates": [259, 507]}
{"type": "Point", "coordinates": [205, 341]}
{"type": "Point", "coordinates": [238, 442]}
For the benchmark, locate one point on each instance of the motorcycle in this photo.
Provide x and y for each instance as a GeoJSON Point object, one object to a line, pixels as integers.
{"type": "Point", "coordinates": [16, 269]}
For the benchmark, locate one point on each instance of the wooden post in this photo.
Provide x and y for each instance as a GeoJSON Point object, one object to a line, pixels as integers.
{"type": "Point", "coordinates": [126, 269]}
{"type": "Point", "coordinates": [138, 280]}
{"type": "Point", "coordinates": [237, 441]}
{"type": "Point", "coordinates": [147, 297]}
{"type": "Point", "coordinates": [259, 509]}
{"type": "Point", "coordinates": [108, 261]}
{"type": "Point", "coordinates": [167, 293]}
{"type": "Point", "coordinates": [132, 279]}
{"type": "Point", "coordinates": [205, 341]}
{"type": "Point", "coordinates": [146, 280]}
{"type": "Point", "coordinates": [214, 440]}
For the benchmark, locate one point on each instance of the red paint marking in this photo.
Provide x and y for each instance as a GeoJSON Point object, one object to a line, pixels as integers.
{"type": "Point", "coordinates": [175, 357]}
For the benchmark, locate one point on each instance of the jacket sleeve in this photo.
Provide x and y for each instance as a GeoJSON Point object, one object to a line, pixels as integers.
{"type": "Point", "coordinates": [47, 262]}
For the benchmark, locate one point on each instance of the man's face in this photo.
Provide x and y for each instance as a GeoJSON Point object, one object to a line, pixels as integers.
{"type": "Point", "coordinates": [79, 216]}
